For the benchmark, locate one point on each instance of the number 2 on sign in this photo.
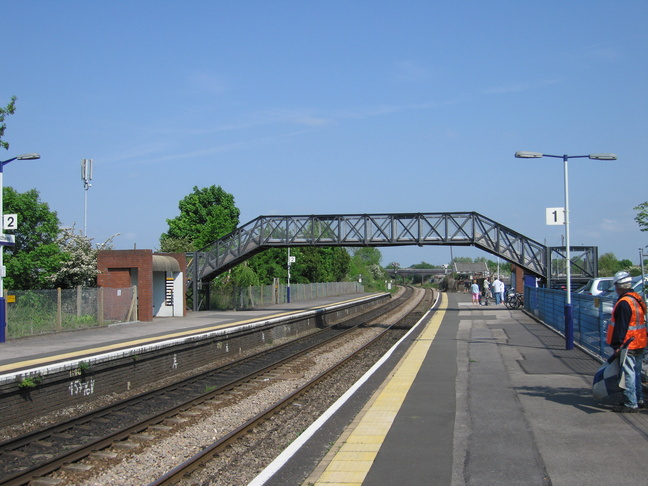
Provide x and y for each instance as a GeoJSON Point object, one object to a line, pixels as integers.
{"type": "Point", "coordinates": [9, 221]}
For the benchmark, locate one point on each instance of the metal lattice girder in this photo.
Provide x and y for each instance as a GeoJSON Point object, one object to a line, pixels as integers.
{"type": "Point", "coordinates": [369, 230]}
{"type": "Point", "coordinates": [584, 261]}
{"type": "Point", "coordinates": [510, 245]}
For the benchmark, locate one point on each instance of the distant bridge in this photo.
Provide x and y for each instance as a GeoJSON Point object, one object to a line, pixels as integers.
{"type": "Point", "coordinates": [376, 230]}
{"type": "Point", "coordinates": [418, 272]}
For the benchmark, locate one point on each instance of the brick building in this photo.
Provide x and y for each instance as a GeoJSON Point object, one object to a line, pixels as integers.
{"type": "Point", "coordinates": [160, 279]}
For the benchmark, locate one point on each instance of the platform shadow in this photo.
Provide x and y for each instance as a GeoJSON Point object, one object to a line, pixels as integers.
{"type": "Point", "coordinates": [581, 399]}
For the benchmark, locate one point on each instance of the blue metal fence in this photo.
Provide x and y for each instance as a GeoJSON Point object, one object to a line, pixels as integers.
{"type": "Point", "coordinates": [590, 315]}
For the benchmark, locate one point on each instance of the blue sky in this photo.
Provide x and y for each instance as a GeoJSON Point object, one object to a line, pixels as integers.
{"type": "Point", "coordinates": [337, 107]}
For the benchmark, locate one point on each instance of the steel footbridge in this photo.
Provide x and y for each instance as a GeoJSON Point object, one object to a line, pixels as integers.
{"type": "Point", "coordinates": [379, 230]}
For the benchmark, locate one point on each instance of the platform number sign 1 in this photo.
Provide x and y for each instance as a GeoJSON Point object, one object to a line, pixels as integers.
{"type": "Point", "coordinates": [555, 215]}
{"type": "Point", "coordinates": [9, 221]}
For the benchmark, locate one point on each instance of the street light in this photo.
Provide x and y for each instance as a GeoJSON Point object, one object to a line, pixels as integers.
{"type": "Point", "coordinates": [569, 318]}
{"type": "Point", "coordinates": [3, 304]}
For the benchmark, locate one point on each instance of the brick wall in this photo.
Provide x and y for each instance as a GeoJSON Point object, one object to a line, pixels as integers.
{"type": "Point", "coordinates": [142, 260]}
{"type": "Point", "coordinates": [117, 266]}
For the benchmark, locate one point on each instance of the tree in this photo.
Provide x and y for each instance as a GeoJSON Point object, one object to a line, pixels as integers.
{"type": "Point", "coordinates": [608, 265]}
{"type": "Point", "coordinates": [625, 264]}
{"type": "Point", "coordinates": [36, 254]}
{"type": "Point", "coordinates": [10, 109]}
{"type": "Point", "coordinates": [368, 255]}
{"type": "Point", "coordinates": [462, 260]}
{"type": "Point", "coordinates": [642, 216]}
{"type": "Point", "coordinates": [313, 264]}
{"type": "Point", "coordinates": [365, 263]}
{"type": "Point", "coordinates": [205, 215]}
{"type": "Point", "coordinates": [269, 264]}
{"type": "Point", "coordinates": [326, 264]}
{"type": "Point", "coordinates": [419, 279]}
{"type": "Point", "coordinates": [79, 261]}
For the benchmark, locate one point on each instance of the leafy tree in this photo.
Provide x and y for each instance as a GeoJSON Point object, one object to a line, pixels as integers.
{"type": "Point", "coordinates": [642, 216]}
{"type": "Point", "coordinates": [625, 264]}
{"type": "Point", "coordinates": [320, 264]}
{"type": "Point", "coordinates": [269, 264]}
{"type": "Point", "coordinates": [418, 279]}
{"type": "Point", "coordinates": [423, 266]}
{"type": "Point", "coordinates": [177, 245]}
{"type": "Point", "coordinates": [10, 109]}
{"type": "Point", "coordinates": [36, 254]}
{"type": "Point", "coordinates": [313, 264]}
{"type": "Point", "coordinates": [365, 262]}
{"type": "Point", "coordinates": [368, 255]}
{"type": "Point", "coordinates": [608, 265]}
{"type": "Point", "coordinates": [205, 215]}
{"type": "Point", "coordinates": [79, 261]}
{"type": "Point", "coordinates": [462, 260]}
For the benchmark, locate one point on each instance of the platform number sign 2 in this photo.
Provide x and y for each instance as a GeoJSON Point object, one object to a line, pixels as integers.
{"type": "Point", "coordinates": [555, 215]}
{"type": "Point", "coordinates": [9, 221]}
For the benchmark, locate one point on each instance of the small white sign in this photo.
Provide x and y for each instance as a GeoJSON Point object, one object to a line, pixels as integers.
{"type": "Point", "coordinates": [291, 259]}
{"type": "Point", "coordinates": [555, 215]}
{"type": "Point", "coordinates": [9, 221]}
{"type": "Point", "coordinates": [7, 239]}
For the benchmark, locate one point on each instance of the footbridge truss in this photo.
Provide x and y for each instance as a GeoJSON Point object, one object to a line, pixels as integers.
{"type": "Point", "coordinates": [397, 229]}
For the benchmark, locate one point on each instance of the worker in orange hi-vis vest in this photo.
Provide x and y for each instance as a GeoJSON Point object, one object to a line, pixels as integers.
{"type": "Point", "coordinates": [629, 322]}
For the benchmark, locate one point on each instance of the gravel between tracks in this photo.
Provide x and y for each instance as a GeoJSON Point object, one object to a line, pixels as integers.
{"type": "Point", "coordinates": [240, 464]}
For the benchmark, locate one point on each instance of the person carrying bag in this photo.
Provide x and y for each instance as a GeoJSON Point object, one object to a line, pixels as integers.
{"type": "Point", "coordinates": [628, 325]}
{"type": "Point", "coordinates": [610, 377]}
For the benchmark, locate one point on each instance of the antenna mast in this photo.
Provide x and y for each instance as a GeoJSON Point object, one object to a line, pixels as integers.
{"type": "Point", "coordinates": [86, 177]}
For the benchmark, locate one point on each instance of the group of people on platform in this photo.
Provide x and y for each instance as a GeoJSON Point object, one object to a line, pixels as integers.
{"type": "Point", "coordinates": [494, 290]}
{"type": "Point", "coordinates": [626, 329]}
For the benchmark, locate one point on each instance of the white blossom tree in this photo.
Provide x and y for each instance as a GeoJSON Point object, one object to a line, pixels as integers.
{"type": "Point", "coordinates": [79, 265]}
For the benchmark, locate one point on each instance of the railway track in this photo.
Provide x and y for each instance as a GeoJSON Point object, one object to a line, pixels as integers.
{"type": "Point", "coordinates": [37, 454]}
{"type": "Point", "coordinates": [182, 474]}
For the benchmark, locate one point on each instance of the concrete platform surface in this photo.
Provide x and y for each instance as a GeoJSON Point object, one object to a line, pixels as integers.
{"type": "Point", "coordinates": [481, 396]}
{"type": "Point", "coordinates": [38, 348]}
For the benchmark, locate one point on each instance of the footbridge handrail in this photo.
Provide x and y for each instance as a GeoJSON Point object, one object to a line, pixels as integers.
{"type": "Point", "coordinates": [376, 230]}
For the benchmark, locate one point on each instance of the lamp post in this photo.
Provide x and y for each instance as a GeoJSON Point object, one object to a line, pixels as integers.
{"type": "Point", "coordinates": [569, 318]}
{"type": "Point", "coordinates": [3, 304]}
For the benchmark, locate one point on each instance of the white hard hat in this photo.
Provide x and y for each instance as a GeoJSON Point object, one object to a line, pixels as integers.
{"type": "Point", "coordinates": [621, 278]}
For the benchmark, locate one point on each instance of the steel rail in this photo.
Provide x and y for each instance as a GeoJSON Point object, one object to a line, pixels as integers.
{"type": "Point", "coordinates": [26, 475]}
{"type": "Point", "coordinates": [203, 457]}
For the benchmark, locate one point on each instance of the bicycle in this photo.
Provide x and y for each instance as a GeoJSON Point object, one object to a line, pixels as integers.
{"type": "Point", "coordinates": [514, 299]}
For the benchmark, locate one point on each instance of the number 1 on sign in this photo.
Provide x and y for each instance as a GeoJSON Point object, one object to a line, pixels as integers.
{"type": "Point", "coordinates": [9, 221]}
{"type": "Point", "coordinates": [555, 215]}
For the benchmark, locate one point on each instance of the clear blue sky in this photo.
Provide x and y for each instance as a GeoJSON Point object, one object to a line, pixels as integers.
{"type": "Point", "coordinates": [332, 107]}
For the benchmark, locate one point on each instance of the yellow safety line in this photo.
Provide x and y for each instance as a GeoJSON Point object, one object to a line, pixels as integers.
{"type": "Point", "coordinates": [352, 462]}
{"type": "Point", "coordinates": [138, 342]}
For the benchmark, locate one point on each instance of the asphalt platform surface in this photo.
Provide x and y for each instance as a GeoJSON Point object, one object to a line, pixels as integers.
{"type": "Point", "coordinates": [497, 400]}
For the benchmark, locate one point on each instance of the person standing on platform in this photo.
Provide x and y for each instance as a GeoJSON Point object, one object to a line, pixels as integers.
{"type": "Point", "coordinates": [474, 288]}
{"type": "Point", "coordinates": [498, 290]}
{"type": "Point", "coordinates": [486, 287]}
{"type": "Point", "coordinates": [629, 321]}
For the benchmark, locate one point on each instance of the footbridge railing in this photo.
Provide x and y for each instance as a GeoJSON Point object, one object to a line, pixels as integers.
{"type": "Point", "coordinates": [396, 229]}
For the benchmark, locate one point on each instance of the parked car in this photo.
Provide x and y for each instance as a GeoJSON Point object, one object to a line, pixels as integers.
{"type": "Point", "coordinates": [609, 297]}
{"type": "Point", "coordinates": [595, 286]}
